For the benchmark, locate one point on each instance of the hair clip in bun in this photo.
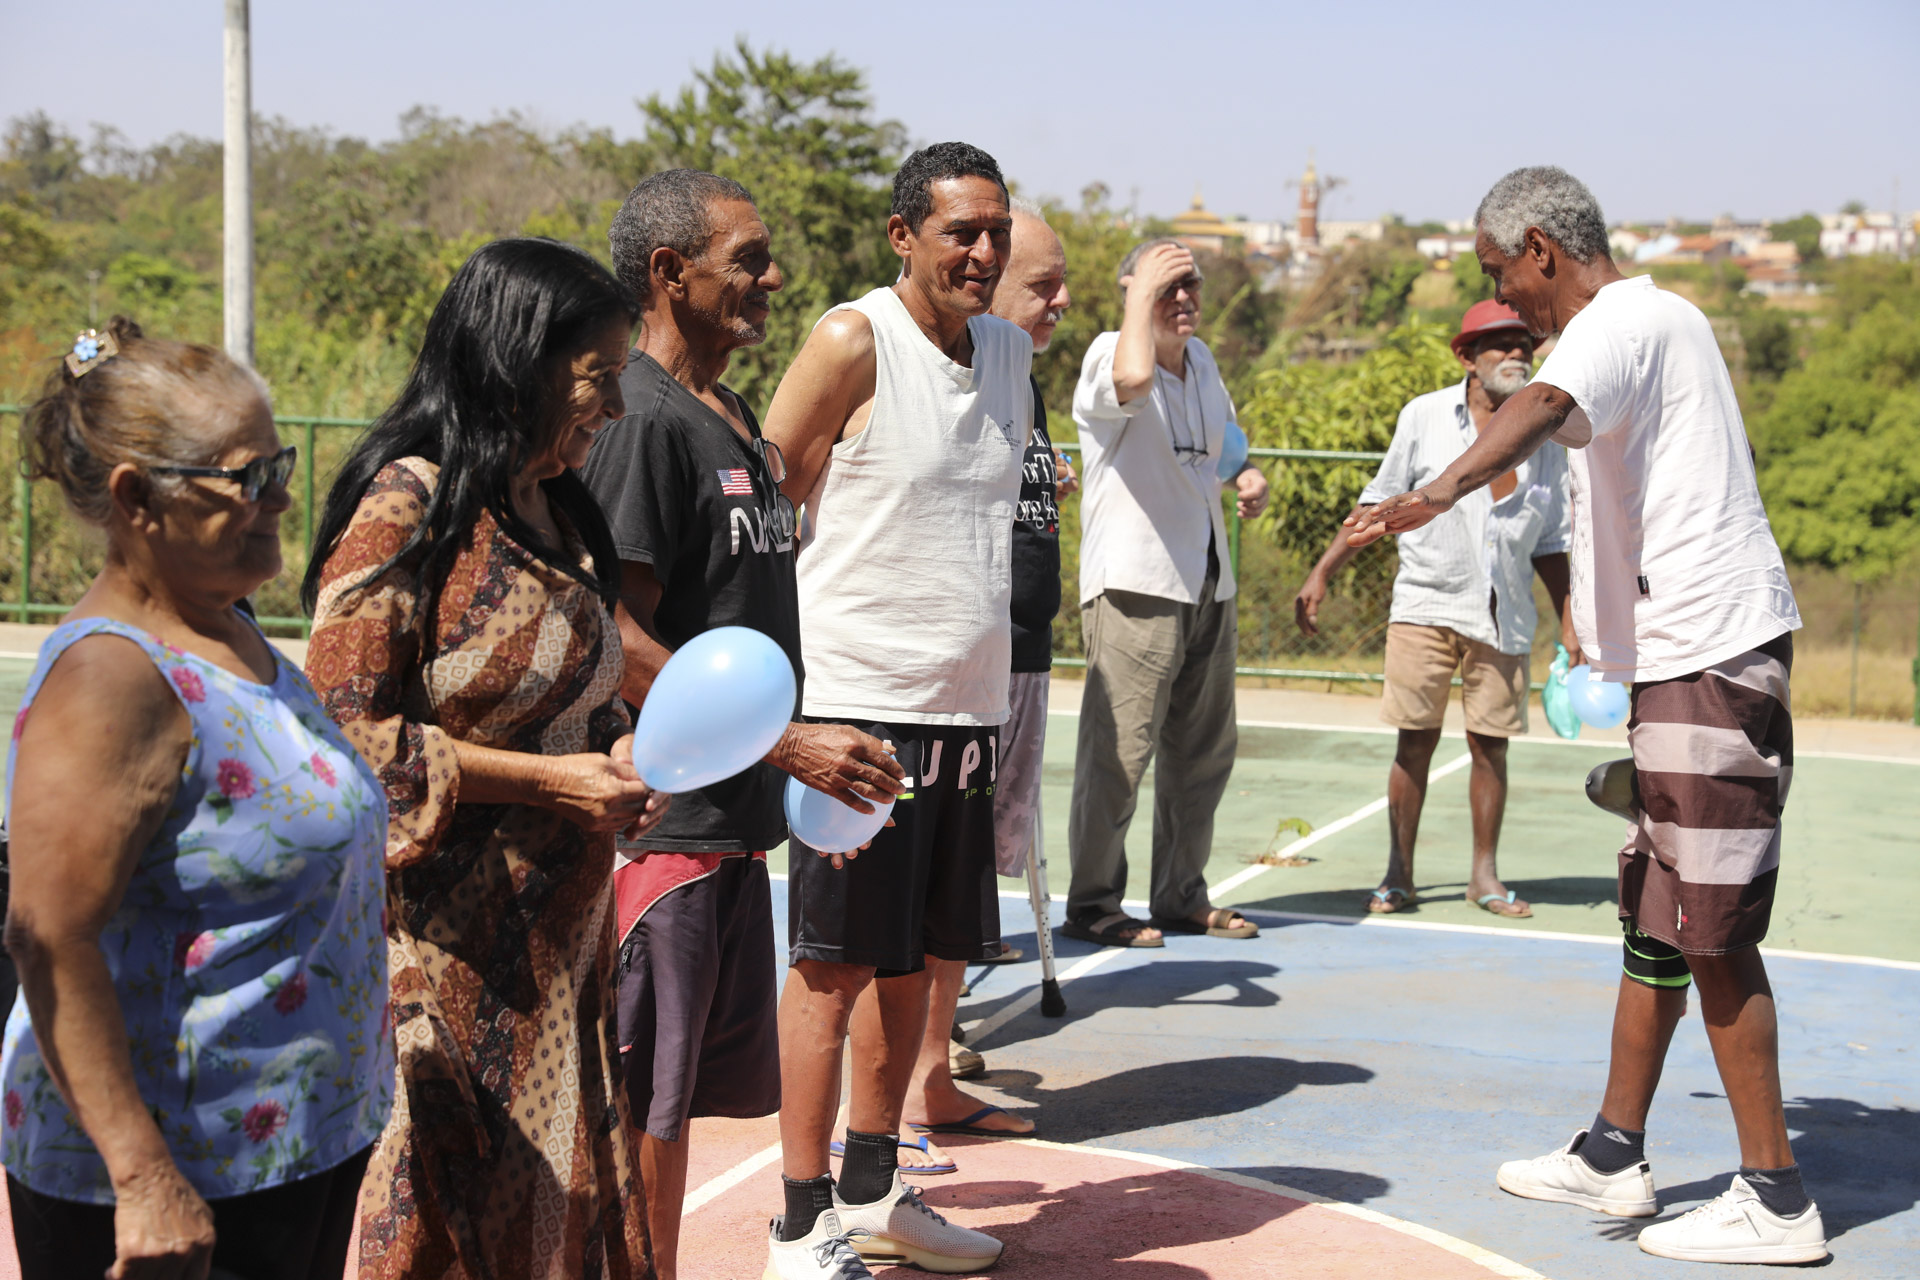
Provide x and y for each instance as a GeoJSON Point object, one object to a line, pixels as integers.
{"type": "Point", "coordinates": [90, 349]}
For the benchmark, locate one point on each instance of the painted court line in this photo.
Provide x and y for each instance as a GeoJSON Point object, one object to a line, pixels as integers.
{"type": "Point", "coordinates": [718, 1185]}
{"type": "Point", "coordinates": [1361, 814]}
{"type": "Point", "coordinates": [1492, 1261]}
{"type": "Point", "coordinates": [1387, 731]}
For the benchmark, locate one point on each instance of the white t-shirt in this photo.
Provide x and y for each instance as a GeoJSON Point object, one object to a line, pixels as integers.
{"type": "Point", "coordinates": [1150, 496]}
{"type": "Point", "coordinates": [1674, 565]}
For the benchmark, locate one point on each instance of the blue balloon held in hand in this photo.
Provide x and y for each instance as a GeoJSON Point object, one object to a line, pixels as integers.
{"type": "Point", "coordinates": [1600, 703]}
{"type": "Point", "coordinates": [825, 825]}
{"type": "Point", "coordinates": [715, 709]}
{"type": "Point", "coordinates": [1233, 451]}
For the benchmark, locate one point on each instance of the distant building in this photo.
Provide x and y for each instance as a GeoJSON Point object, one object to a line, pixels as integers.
{"type": "Point", "coordinates": [1624, 243]}
{"type": "Point", "coordinates": [1447, 246]}
{"type": "Point", "coordinates": [1848, 235]}
{"type": "Point", "coordinates": [1201, 229]}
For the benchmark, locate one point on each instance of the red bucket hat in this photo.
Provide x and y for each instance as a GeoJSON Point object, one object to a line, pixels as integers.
{"type": "Point", "coordinates": [1486, 317]}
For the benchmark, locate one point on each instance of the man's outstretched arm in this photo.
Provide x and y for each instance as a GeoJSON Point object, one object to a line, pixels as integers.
{"type": "Point", "coordinates": [1517, 428]}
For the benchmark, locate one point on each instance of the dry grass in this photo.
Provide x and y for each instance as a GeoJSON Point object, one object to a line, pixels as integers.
{"type": "Point", "coordinates": [1822, 674]}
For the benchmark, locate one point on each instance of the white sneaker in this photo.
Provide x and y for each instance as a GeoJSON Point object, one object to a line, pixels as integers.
{"type": "Point", "coordinates": [824, 1253]}
{"type": "Point", "coordinates": [900, 1228]}
{"type": "Point", "coordinates": [1566, 1178]}
{"type": "Point", "coordinates": [1735, 1226]}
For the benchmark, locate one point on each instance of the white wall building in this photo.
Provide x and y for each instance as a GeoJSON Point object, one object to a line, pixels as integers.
{"type": "Point", "coordinates": [1846, 235]}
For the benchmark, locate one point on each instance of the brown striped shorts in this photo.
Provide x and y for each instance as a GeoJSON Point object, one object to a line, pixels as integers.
{"type": "Point", "coordinates": [1713, 751]}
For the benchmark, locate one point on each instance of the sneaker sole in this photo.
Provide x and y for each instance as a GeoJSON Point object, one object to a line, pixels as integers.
{"type": "Point", "coordinates": [1774, 1253]}
{"type": "Point", "coordinates": [891, 1252]}
{"type": "Point", "coordinates": [1615, 1208]}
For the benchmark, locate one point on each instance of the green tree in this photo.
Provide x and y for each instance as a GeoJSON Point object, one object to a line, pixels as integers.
{"type": "Point", "coordinates": [1803, 231]}
{"type": "Point", "coordinates": [1767, 336]}
{"type": "Point", "coordinates": [802, 137]}
{"type": "Point", "coordinates": [1839, 445]}
{"type": "Point", "coordinates": [1474, 285]}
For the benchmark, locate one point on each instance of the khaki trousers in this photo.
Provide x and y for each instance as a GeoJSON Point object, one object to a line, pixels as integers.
{"type": "Point", "coordinates": [1159, 682]}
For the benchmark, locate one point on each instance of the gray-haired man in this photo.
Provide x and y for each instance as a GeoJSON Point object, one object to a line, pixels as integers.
{"type": "Point", "coordinates": [692, 495]}
{"type": "Point", "coordinates": [1678, 587]}
{"type": "Point", "coordinates": [1157, 604]}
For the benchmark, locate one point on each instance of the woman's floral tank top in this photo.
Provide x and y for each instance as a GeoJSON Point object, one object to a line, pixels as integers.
{"type": "Point", "coordinates": [249, 953]}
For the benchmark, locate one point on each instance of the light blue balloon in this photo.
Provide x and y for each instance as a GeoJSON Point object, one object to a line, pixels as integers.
{"type": "Point", "coordinates": [1233, 451]}
{"type": "Point", "coordinates": [825, 825]}
{"type": "Point", "coordinates": [1600, 703]}
{"type": "Point", "coordinates": [716, 708]}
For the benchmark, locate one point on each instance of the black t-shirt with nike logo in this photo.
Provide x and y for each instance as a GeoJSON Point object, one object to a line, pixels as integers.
{"type": "Point", "coordinates": [684, 493]}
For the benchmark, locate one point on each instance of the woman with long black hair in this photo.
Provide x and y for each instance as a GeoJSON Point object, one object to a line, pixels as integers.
{"type": "Point", "coordinates": [460, 591]}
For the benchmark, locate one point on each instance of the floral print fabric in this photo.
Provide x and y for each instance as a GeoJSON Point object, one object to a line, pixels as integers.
{"type": "Point", "coordinates": [509, 1153]}
{"type": "Point", "coordinates": [248, 953]}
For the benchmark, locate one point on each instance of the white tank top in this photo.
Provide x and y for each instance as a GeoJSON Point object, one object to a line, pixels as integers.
{"type": "Point", "coordinates": [905, 561]}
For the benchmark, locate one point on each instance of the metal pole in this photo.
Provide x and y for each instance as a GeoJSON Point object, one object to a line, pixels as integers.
{"type": "Point", "coordinates": [238, 202]}
{"type": "Point", "coordinates": [1853, 680]}
{"type": "Point", "coordinates": [24, 501]}
{"type": "Point", "coordinates": [306, 628]}
{"type": "Point", "coordinates": [1052, 1004]}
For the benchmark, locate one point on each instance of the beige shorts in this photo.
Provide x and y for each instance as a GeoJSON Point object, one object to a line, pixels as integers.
{"type": "Point", "coordinates": [1421, 661]}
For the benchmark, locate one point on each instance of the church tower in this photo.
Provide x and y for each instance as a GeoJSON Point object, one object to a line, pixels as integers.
{"type": "Point", "coordinates": [1307, 235]}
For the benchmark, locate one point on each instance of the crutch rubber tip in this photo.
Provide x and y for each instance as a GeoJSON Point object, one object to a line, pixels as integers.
{"type": "Point", "coordinates": [1052, 1004]}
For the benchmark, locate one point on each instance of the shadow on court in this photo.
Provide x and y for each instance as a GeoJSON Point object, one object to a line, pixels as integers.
{"type": "Point", "coordinates": [1565, 891]}
{"type": "Point", "coordinates": [1188, 983]}
{"type": "Point", "coordinates": [1101, 1227]}
{"type": "Point", "coordinates": [1164, 1094]}
{"type": "Point", "coordinates": [1335, 1184]}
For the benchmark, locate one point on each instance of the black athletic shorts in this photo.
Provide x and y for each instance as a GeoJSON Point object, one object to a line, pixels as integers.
{"type": "Point", "coordinates": [698, 993]}
{"type": "Point", "coordinates": [925, 886]}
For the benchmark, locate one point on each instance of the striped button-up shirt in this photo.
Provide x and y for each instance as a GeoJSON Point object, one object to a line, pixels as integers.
{"type": "Point", "coordinates": [1482, 549]}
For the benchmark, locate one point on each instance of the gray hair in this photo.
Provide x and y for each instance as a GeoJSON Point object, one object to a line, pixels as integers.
{"type": "Point", "coordinates": [668, 210]}
{"type": "Point", "coordinates": [1551, 199]}
{"type": "Point", "coordinates": [1132, 260]}
{"type": "Point", "coordinates": [1026, 208]}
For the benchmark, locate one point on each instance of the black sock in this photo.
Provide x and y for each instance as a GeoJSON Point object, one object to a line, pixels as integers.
{"type": "Point", "coordinates": [806, 1201]}
{"type": "Point", "coordinates": [1608, 1148]}
{"type": "Point", "coordinates": [1778, 1189]}
{"type": "Point", "coordinates": [866, 1172]}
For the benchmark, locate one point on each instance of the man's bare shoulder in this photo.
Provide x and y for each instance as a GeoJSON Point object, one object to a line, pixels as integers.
{"type": "Point", "coordinates": [841, 343]}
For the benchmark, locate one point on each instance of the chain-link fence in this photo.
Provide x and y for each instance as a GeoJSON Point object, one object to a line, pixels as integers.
{"type": "Point", "coordinates": [1856, 656]}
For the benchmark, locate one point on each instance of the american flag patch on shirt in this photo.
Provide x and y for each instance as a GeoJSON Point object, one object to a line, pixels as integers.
{"type": "Point", "coordinates": [736, 483]}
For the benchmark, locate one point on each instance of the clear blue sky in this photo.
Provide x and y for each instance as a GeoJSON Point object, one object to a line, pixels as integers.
{"type": "Point", "coordinates": [1757, 108]}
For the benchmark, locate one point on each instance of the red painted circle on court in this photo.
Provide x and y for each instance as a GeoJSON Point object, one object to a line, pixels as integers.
{"type": "Point", "coordinates": [1066, 1213]}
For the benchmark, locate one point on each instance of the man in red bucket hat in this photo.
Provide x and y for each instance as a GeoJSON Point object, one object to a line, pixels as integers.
{"type": "Point", "coordinates": [1462, 600]}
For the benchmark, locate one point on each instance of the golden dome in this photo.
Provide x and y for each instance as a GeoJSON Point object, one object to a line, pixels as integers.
{"type": "Point", "coordinates": [1199, 221]}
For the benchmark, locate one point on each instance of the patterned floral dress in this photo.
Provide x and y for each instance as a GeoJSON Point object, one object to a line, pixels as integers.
{"type": "Point", "coordinates": [509, 1153]}
{"type": "Point", "coordinates": [247, 952]}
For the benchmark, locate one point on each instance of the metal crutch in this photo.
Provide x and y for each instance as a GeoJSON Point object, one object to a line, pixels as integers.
{"type": "Point", "coordinates": [1051, 1003]}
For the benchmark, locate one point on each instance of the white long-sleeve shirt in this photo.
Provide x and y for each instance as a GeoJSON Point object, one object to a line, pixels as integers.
{"type": "Point", "coordinates": [1151, 497]}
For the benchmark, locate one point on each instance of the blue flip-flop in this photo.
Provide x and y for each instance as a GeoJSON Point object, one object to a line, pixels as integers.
{"type": "Point", "coordinates": [970, 1127]}
{"type": "Point", "coordinates": [840, 1149]}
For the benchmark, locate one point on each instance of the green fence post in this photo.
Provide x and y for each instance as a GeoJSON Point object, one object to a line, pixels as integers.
{"type": "Point", "coordinates": [1233, 533]}
{"type": "Point", "coordinates": [306, 628]}
{"type": "Point", "coordinates": [1916, 683]}
{"type": "Point", "coordinates": [23, 512]}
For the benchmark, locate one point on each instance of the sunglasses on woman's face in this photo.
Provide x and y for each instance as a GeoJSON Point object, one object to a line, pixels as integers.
{"type": "Point", "coordinates": [252, 478]}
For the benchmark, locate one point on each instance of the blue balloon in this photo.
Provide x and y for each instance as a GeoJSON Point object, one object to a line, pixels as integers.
{"type": "Point", "coordinates": [1233, 451]}
{"type": "Point", "coordinates": [1600, 703]}
{"type": "Point", "coordinates": [716, 708]}
{"type": "Point", "coordinates": [825, 825]}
